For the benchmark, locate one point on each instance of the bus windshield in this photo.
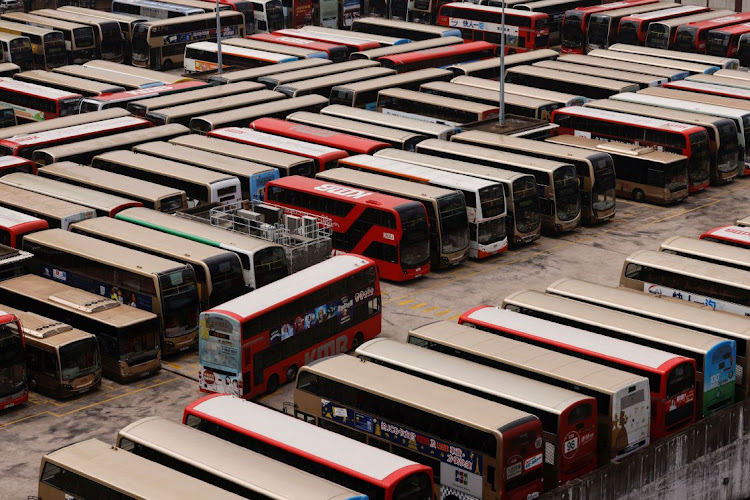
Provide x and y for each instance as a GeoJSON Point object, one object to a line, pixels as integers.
{"type": "Point", "coordinates": [275, 15]}
{"type": "Point", "coordinates": [658, 36]}
{"type": "Point", "coordinates": [685, 41]}
{"type": "Point", "coordinates": [57, 55]}
{"type": "Point", "coordinates": [572, 33]}
{"type": "Point", "coordinates": [137, 343]}
{"type": "Point", "coordinates": [598, 31]}
{"type": "Point", "coordinates": [69, 106]}
{"type": "Point", "coordinates": [269, 265]}
{"type": "Point", "coordinates": [701, 156]}
{"type": "Point", "coordinates": [674, 178]}
{"type": "Point", "coordinates": [526, 204]}
{"type": "Point", "coordinates": [566, 193]}
{"type": "Point", "coordinates": [603, 192]}
{"type": "Point", "coordinates": [84, 37]}
{"type": "Point", "coordinates": [452, 211]}
{"type": "Point", "coordinates": [717, 42]}
{"type": "Point", "coordinates": [415, 243]}
{"type": "Point", "coordinates": [492, 200]}
{"type": "Point", "coordinates": [12, 361]}
{"type": "Point", "coordinates": [21, 50]}
{"type": "Point", "coordinates": [181, 308]}
{"type": "Point", "coordinates": [140, 42]}
{"type": "Point", "coordinates": [111, 39]}
{"type": "Point", "coordinates": [79, 358]}
{"type": "Point", "coordinates": [680, 379]}
{"type": "Point", "coordinates": [729, 146]}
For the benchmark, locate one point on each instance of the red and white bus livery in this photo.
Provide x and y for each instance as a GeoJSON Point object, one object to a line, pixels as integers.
{"type": "Point", "coordinates": [14, 225]}
{"type": "Point", "coordinates": [121, 99]}
{"type": "Point", "coordinates": [738, 236]}
{"type": "Point", "coordinates": [32, 102]}
{"type": "Point", "coordinates": [11, 164]}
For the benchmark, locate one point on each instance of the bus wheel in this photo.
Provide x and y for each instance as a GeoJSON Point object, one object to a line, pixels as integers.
{"type": "Point", "coordinates": [639, 195]}
{"type": "Point", "coordinates": [273, 383]}
{"type": "Point", "coordinates": [167, 64]}
{"type": "Point", "coordinates": [358, 340]}
{"type": "Point", "coordinates": [291, 373]}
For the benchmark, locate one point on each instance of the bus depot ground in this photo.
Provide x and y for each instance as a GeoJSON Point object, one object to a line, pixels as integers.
{"type": "Point", "coordinates": [594, 253]}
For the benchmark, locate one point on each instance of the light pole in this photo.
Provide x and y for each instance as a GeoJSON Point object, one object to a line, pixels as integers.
{"type": "Point", "coordinates": [218, 39]}
{"type": "Point", "coordinates": [501, 116]}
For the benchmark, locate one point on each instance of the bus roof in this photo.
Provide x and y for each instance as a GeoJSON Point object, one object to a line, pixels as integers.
{"type": "Point", "coordinates": [12, 161]}
{"type": "Point", "coordinates": [316, 135]}
{"type": "Point", "coordinates": [357, 35]}
{"type": "Point", "coordinates": [128, 95]}
{"type": "Point", "coordinates": [234, 49]}
{"type": "Point", "coordinates": [451, 403]}
{"type": "Point", "coordinates": [691, 267]}
{"type": "Point", "coordinates": [470, 151]}
{"type": "Point", "coordinates": [192, 229]}
{"type": "Point", "coordinates": [206, 16]}
{"type": "Point", "coordinates": [738, 232]}
{"type": "Point", "coordinates": [30, 18]}
{"type": "Point", "coordinates": [262, 139]}
{"type": "Point", "coordinates": [278, 48]}
{"type": "Point", "coordinates": [395, 187]}
{"type": "Point", "coordinates": [510, 60]}
{"type": "Point", "coordinates": [655, 306]}
{"type": "Point", "coordinates": [274, 79]}
{"type": "Point", "coordinates": [601, 62]}
{"type": "Point", "coordinates": [494, 10]}
{"type": "Point", "coordinates": [514, 352]}
{"type": "Point", "coordinates": [552, 74]}
{"type": "Point", "coordinates": [654, 61]}
{"type": "Point", "coordinates": [74, 131]}
{"type": "Point", "coordinates": [345, 125]}
{"type": "Point", "coordinates": [707, 250]}
{"type": "Point", "coordinates": [629, 118]}
{"type": "Point", "coordinates": [490, 139]}
{"type": "Point", "coordinates": [45, 330]}
{"type": "Point", "coordinates": [11, 218]}
{"type": "Point", "coordinates": [84, 196]}
{"type": "Point", "coordinates": [385, 82]}
{"type": "Point", "coordinates": [227, 102]}
{"type": "Point", "coordinates": [21, 199]}
{"type": "Point", "coordinates": [70, 83]}
{"type": "Point", "coordinates": [682, 10]}
{"type": "Point", "coordinates": [438, 365]}
{"type": "Point", "coordinates": [238, 150]}
{"type": "Point", "coordinates": [77, 301]}
{"type": "Point", "coordinates": [133, 260]}
{"type": "Point", "coordinates": [169, 168]}
{"type": "Point", "coordinates": [612, 74]}
{"type": "Point", "coordinates": [274, 294]}
{"type": "Point", "coordinates": [331, 80]}
{"type": "Point", "coordinates": [674, 54]}
{"type": "Point", "coordinates": [719, 80]}
{"type": "Point", "coordinates": [116, 16]}
{"type": "Point", "coordinates": [670, 114]}
{"type": "Point", "coordinates": [680, 104]}
{"type": "Point", "coordinates": [632, 150]}
{"type": "Point", "coordinates": [375, 118]}
{"type": "Point", "coordinates": [28, 28]}
{"type": "Point", "coordinates": [202, 93]}
{"type": "Point", "coordinates": [129, 82]}
{"type": "Point", "coordinates": [129, 472]}
{"type": "Point", "coordinates": [646, 357]}
{"type": "Point", "coordinates": [328, 447]}
{"type": "Point", "coordinates": [712, 88]}
{"type": "Point", "coordinates": [252, 74]}
{"type": "Point", "coordinates": [373, 54]}
{"type": "Point", "coordinates": [9, 84]}
{"type": "Point", "coordinates": [482, 94]}
{"type": "Point", "coordinates": [412, 95]}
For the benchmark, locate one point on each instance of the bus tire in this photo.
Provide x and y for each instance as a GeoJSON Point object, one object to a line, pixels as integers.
{"type": "Point", "coordinates": [167, 64]}
{"type": "Point", "coordinates": [291, 373]}
{"type": "Point", "coordinates": [639, 195]}
{"type": "Point", "coordinates": [358, 340]}
{"type": "Point", "coordinates": [273, 383]}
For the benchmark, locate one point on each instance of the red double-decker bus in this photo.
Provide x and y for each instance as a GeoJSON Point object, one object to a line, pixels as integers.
{"type": "Point", "coordinates": [244, 6]}
{"type": "Point", "coordinates": [11, 164]}
{"type": "Point", "coordinates": [691, 37]}
{"type": "Point", "coordinates": [737, 236]}
{"type": "Point", "coordinates": [633, 29]}
{"type": "Point", "coordinates": [14, 388]}
{"type": "Point", "coordinates": [673, 137]}
{"type": "Point", "coordinates": [575, 24]}
{"type": "Point", "coordinates": [351, 43]}
{"type": "Point", "coordinates": [250, 345]}
{"type": "Point", "coordinates": [323, 156]}
{"type": "Point", "coordinates": [725, 42]}
{"type": "Point", "coordinates": [439, 57]}
{"type": "Point", "coordinates": [15, 225]}
{"type": "Point", "coordinates": [25, 145]}
{"type": "Point", "coordinates": [336, 52]}
{"type": "Point", "coordinates": [31, 102]}
{"type": "Point", "coordinates": [352, 144]}
{"type": "Point", "coordinates": [671, 377]}
{"type": "Point", "coordinates": [392, 231]}
{"type": "Point", "coordinates": [121, 99]}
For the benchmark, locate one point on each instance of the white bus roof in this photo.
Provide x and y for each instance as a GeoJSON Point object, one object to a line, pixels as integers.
{"type": "Point", "coordinates": [702, 249]}
{"type": "Point", "coordinates": [75, 131]}
{"type": "Point", "coordinates": [10, 218]}
{"type": "Point", "coordinates": [680, 104]}
{"type": "Point", "coordinates": [10, 161]}
{"type": "Point", "coordinates": [627, 118]}
{"type": "Point", "coordinates": [235, 50]}
{"type": "Point", "coordinates": [34, 89]}
{"type": "Point", "coordinates": [63, 121]}
{"type": "Point", "coordinates": [740, 233]}
{"type": "Point", "coordinates": [691, 267]}
{"type": "Point", "coordinates": [375, 118]}
{"type": "Point", "coordinates": [241, 134]}
{"type": "Point", "coordinates": [308, 439]}
{"type": "Point", "coordinates": [181, 172]}
{"type": "Point", "coordinates": [274, 293]}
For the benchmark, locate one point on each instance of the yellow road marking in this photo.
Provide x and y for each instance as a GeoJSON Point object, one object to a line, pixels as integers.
{"type": "Point", "coordinates": [431, 309]}
{"type": "Point", "coordinates": [406, 302]}
{"type": "Point", "coordinates": [454, 317]}
{"type": "Point", "coordinates": [418, 305]}
{"type": "Point", "coordinates": [443, 312]}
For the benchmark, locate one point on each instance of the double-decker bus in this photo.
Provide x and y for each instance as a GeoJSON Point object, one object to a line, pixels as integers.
{"type": "Point", "coordinates": [127, 23]}
{"type": "Point", "coordinates": [490, 68]}
{"type": "Point", "coordinates": [354, 42]}
{"type": "Point", "coordinates": [80, 43]}
{"type": "Point", "coordinates": [365, 94]}
{"type": "Point", "coordinates": [523, 219]}
{"type": "Point", "coordinates": [555, 9]}
{"type": "Point", "coordinates": [446, 209]}
{"type": "Point", "coordinates": [104, 205]}
{"type": "Point", "coordinates": [147, 193]}
{"type": "Point", "coordinates": [334, 52]}
{"type": "Point", "coordinates": [429, 107]}
{"type": "Point", "coordinates": [250, 345]}
{"type": "Point", "coordinates": [66, 121]}
{"type": "Point", "coordinates": [633, 29]}
{"type": "Point", "coordinates": [487, 447]}
{"type": "Point", "coordinates": [696, 102]}
{"type": "Point", "coordinates": [218, 272]}
{"type": "Point", "coordinates": [25, 145]}
{"type": "Point", "coordinates": [252, 176]}
{"type": "Point", "coordinates": [352, 144]}
{"type": "Point", "coordinates": [204, 6]}
{"type": "Point", "coordinates": [126, 69]}
{"type": "Point", "coordinates": [603, 26]}
{"type": "Point", "coordinates": [108, 36]}
{"type": "Point", "coordinates": [161, 44]}
{"type": "Point", "coordinates": [514, 104]}
{"type": "Point", "coordinates": [707, 251]}
{"type": "Point", "coordinates": [123, 99]}
{"type": "Point", "coordinates": [642, 80]}
{"type": "Point", "coordinates": [84, 151]}
{"type": "Point", "coordinates": [392, 50]}
{"type": "Point", "coordinates": [155, 284]}
{"type": "Point", "coordinates": [47, 45]}
{"type": "Point", "coordinates": [485, 200]}
{"type": "Point", "coordinates": [724, 81]}
{"type": "Point", "coordinates": [10, 164]}
{"type": "Point", "coordinates": [14, 389]}
{"type": "Point", "coordinates": [721, 62]}
{"type": "Point", "coordinates": [31, 102]}
{"type": "Point", "coordinates": [273, 80]}
{"type": "Point", "coordinates": [327, 454]}
{"type": "Point", "coordinates": [242, 117]}
{"type": "Point", "coordinates": [737, 235]}
{"type": "Point", "coordinates": [727, 158]}
{"type": "Point", "coordinates": [128, 338]}
{"type": "Point", "coordinates": [202, 57]}
{"type": "Point", "coordinates": [57, 213]}
{"type": "Point", "coordinates": [324, 84]}
{"type": "Point", "coordinates": [733, 74]}
{"type": "Point", "coordinates": [671, 377]}
{"type": "Point", "coordinates": [524, 30]}
{"type": "Point", "coordinates": [249, 474]}
{"type": "Point", "coordinates": [287, 164]}
{"type": "Point", "coordinates": [182, 114]}
{"type": "Point", "coordinates": [86, 88]}
{"type": "Point", "coordinates": [439, 56]}
{"type": "Point", "coordinates": [269, 15]}
{"type": "Point", "coordinates": [202, 186]}
{"type": "Point", "coordinates": [268, 46]}
{"type": "Point", "coordinates": [717, 286]}
{"type": "Point", "coordinates": [595, 171]}
{"type": "Point", "coordinates": [324, 157]}
{"type": "Point", "coordinates": [16, 49]}
{"type": "Point", "coordinates": [592, 87]}
{"type": "Point", "coordinates": [153, 10]}
{"type": "Point", "coordinates": [714, 357]}
{"type": "Point", "coordinates": [644, 69]}
{"type": "Point", "coordinates": [7, 118]}
{"type": "Point", "coordinates": [415, 30]}
{"type": "Point", "coordinates": [143, 107]}
{"type": "Point", "coordinates": [675, 64]}
{"type": "Point", "coordinates": [62, 361]}
{"type": "Point", "coordinates": [263, 262]}
{"type": "Point", "coordinates": [672, 312]}
{"type": "Point", "coordinates": [93, 467]}
{"type": "Point", "coordinates": [15, 225]}
{"type": "Point", "coordinates": [687, 140]}
{"type": "Point", "coordinates": [622, 402]}
{"type": "Point", "coordinates": [725, 42]}
{"type": "Point", "coordinates": [321, 33]}
{"type": "Point", "coordinates": [392, 137]}
{"type": "Point", "coordinates": [392, 231]}
{"type": "Point", "coordinates": [557, 182]}
{"type": "Point", "coordinates": [734, 92]}
{"type": "Point", "coordinates": [643, 174]}
{"type": "Point", "coordinates": [521, 90]}
{"type": "Point", "coordinates": [419, 127]}
{"type": "Point", "coordinates": [691, 37]}
{"type": "Point", "coordinates": [127, 81]}
{"type": "Point", "coordinates": [569, 420]}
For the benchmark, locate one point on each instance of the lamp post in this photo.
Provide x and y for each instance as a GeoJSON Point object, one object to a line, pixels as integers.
{"type": "Point", "coordinates": [218, 39]}
{"type": "Point", "coordinates": [501, 116]}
